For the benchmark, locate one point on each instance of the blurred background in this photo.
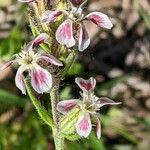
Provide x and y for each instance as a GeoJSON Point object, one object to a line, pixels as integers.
{"type": "Point", "coordinates": [119, 60]}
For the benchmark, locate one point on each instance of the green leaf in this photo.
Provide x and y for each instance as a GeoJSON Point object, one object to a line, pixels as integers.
{"type": "Point", "coordinates": [75, 70]}
{"type": "Point", "coordinates": [11, 99]}
{"type": "Point", "coordinates": [65, 93]}
{"type": "Point", "coordinates": [70, 60]}
{"type": "Point", "coordinates": [12, 44]}
{"type": "Point", "coordinates": [43, 113]}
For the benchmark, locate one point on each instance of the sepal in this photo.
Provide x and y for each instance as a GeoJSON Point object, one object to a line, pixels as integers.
{"type": "Point", "coordinates": [72, 137]}
{"type": "Point", "coordinates": [68, 122]}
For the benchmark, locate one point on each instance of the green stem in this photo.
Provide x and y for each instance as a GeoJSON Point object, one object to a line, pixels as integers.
{"type": "Point", "coordinates": [59, 142]}
{"type": "Point", "coordinates": [54, 95]}
{"type": "Point", "coordinates": [54, 98]}
{"type": "Point", "coordinates": [45, 116]}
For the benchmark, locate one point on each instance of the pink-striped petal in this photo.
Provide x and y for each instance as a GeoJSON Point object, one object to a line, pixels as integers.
{"type": "Point", "coordinates": [49, 16]}
{"type": "Point", "coordinates": [67, 105]}
{"type": "Point", "coordinates": [6, 65]}
{"type": "Point", "coordinates": [19, 81]}
{"type": "Point", "coordinates": [43, 37]}
{"type": "Point", "coordinates": [51, 59]}
{"type": "Point", "coordinates": [26, 1]}
{"type": "Point", "coordinates": [98, 128]}
{"type": "Point", "coordinates": [41, 79]}
{"type": "Point", "coordinates": [64, 34]}
{"type": "Point", "coordinates": [53, 2]}
{"type": "Point", "coordinates": [83, 125]}
{"type": "Point", "coordinates": [86, 85]}
{"type": "Point", "coordinates": [106, 101]}
{"type": "Point", "coordinates": [100, 19]}
{"type": "Point", "coordinates": [84, 40]}
{"type": "Point", "coordinates": [77, 3]}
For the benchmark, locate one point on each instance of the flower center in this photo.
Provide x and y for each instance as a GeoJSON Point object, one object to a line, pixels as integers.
{"type": "Point", "coordinates": [27, 60]}
{"type": "Point", "coordinates": [87, 106]}
{"type": "Point", "coordinates": [26, 57]}
{"type": "Point", "coordinates": [76, 14]}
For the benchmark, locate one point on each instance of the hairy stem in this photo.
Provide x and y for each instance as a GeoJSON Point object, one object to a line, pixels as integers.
{"type": "Point", "coordinates": [59, 141]}
{"type": "Point", "coordinates": [54, 98]}
{"type": "Point", "coordinates": [54, 95]}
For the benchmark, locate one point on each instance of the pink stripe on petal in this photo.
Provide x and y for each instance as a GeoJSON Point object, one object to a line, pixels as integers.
{"type": "Point", "coordinates": [102, 101]}
{"type": "Point", "coordinates": [26, 1]}
{"type": "Point", "coordinates": [98, 128]}
{"type": "Point", "coordinates": [76, 2]}
{"type": "Point", "coordinates": [86, 85]}
{"type": "Point", "coordinates": [53, 2]}
{"type": "Point", "coordinates": [67, 105]}
{"type": "Point", "coordinates": [100, 19]}
{"type": "Point", "coordinates": [64, 34]}
{"type": "Point", "coordinates": [49, 16]}
{"type": "Point", "coordinates": [51, 59]}
{"type": "Point", "coordinates": [41, 79]}
{"type": "Point", "coordinates": [84, 40]}
{"type": "Point", "coordinates": [6, 65]}
{"type": "Point", "coordinates": [19, 80]}
{"type": "Point", "coordinates": [84, 126]}
{"type": "Point", "coordinates": [43, 37]}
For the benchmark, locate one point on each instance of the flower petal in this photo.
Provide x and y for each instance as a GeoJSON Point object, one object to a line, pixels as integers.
{"type": "Point", "coordinates": [43, 37]}
{"type": "Point", "coordinates": [84, 126]}
{"type": "Point", "coordinates": [100, 19]}
{"type": "Point", "coordinates": [19, 79]}
{"type": "Point", "coordinates": [106, 101]}
{"type": "Point", "coordinates": [53, 2]}
{"type": "Point", "coordinates": [67, 105]}
{"type": "Point", "coordinates": [26, 1]}
{"type": "Point", "coordinates": [98, 128]}
{"type": "Point", "coordinates": [64, 34]}
{"type": "Point", "coordinates": [84, 40]}
{"type": "Point", "coordinates": [51, 59]}
{"type": "Point", "coordinates": [77, 2]}
{"type": "Point", "coordinates": [6, 65]}
{"type": "Point", "coordinates": [41, 79]}
{"type": "Point", "coordinates": [86, 85]}
{"type": "Point", "coordinates": [49, 16]}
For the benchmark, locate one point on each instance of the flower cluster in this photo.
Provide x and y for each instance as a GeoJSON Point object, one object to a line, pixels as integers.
{"type": "Point", "coordinates": [71, 33]}
{"type": "Point", "coordinates": [28, 60]}
{"type": "Point", "coordinates": [89, 104]}
{"type": "Point", "coordinates": [72, 30]}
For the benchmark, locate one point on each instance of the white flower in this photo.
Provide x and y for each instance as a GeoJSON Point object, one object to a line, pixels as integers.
{"type": "Point", "coordinates": [89, 105]}
{"type": "Point", "coordinates": [27, 59]}
{"type": "Point", "coordinates": [73, 25]}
